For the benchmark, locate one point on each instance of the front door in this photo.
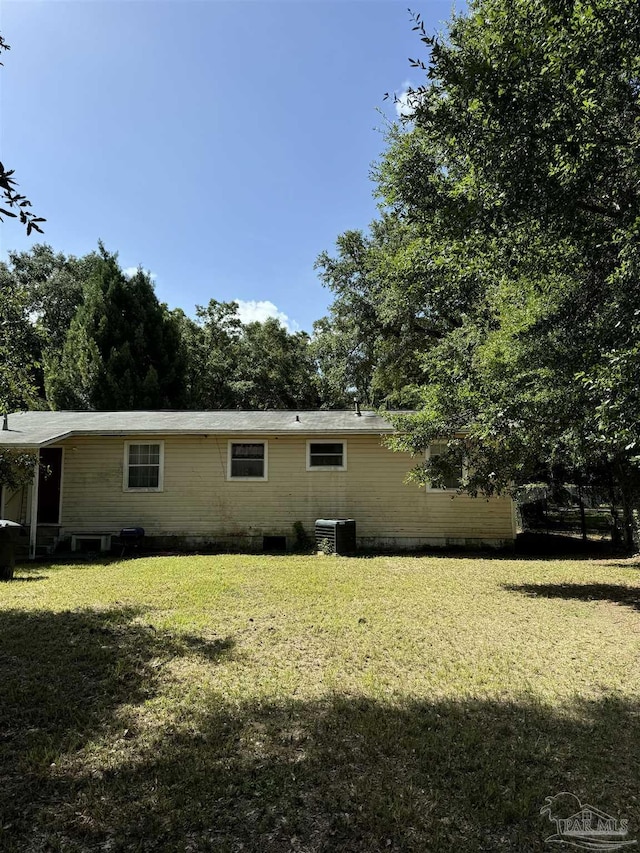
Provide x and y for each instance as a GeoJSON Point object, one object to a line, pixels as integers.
{"type": "Point", "coordinates": [49, 484]}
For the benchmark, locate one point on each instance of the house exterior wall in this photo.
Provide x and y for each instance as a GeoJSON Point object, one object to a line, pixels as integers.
{"type": "Point", "coordinates": [199, 504]}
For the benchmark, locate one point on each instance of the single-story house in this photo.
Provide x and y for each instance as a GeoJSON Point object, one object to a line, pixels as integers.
{"type": "Point", "coordinates": [234, 479]}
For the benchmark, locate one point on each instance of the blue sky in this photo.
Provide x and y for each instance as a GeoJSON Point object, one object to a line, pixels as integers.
{"type": "Point", "coordinates": [222, 145]}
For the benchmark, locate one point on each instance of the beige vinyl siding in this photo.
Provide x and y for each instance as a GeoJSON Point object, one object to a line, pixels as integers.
{"type": "Point", "coordinates": [15, 502]}
{"type": "Point", "coordinates": [198, 500]}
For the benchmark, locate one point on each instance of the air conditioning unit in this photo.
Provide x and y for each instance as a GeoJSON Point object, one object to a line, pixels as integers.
{"type": "Point", "coordinates": [336, 535]}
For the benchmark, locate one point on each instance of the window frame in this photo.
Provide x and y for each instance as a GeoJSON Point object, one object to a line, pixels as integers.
{"type": "Point", "coordinates": [463, 472]}
{"type": "Point", "coordinates": [311, 467]}
{"type": "Point", "coordinates": [264, 478]}
{"type": "Point", "coordinates": [125, 468]}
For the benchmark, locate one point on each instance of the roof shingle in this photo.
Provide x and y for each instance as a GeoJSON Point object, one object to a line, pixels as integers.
{"type": "Point", "coordinates": [30, 429]}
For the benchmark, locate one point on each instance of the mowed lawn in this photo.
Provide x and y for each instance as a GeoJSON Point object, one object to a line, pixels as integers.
{"type": "Point", "coordinates": [264, 703]}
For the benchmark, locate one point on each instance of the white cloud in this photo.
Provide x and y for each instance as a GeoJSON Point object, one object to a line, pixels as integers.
{"type": "Point", "coordinates": [407, 101]}
{"type": "Point", "coordinates": [253, 310]}
{"type": "Point", "coordinates": [129, 272]}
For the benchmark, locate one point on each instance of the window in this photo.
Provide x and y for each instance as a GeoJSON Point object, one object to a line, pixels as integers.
{"type": "Point", "coordinates": [143, 467]}
{"type": "Point", "coordinates": [326, 456]}
{"type": "Point", "coordinates": [455, 471]}
{"type": "Point", "coordinates": [247, 460]}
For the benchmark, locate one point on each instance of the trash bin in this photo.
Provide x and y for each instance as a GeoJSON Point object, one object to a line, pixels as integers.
{"type": "Point", "coordinates": [9, 533]}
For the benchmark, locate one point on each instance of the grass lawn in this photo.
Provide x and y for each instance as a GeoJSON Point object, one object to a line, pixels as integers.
{"type": "Point", "coordinates": [256, 703]}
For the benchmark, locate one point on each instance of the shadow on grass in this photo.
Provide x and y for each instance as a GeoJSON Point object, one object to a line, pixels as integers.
{"type": "Point", "coordinates": [339, 774]}
{"type": "Point", "coordinates": [64, 678]}
{"type": "Point", "coordinates": [28, 572]}
{"type": "Point", "coordinates": [538, 544]}
{"type": "Point", "coordinates": [359, 775]}
{"type": "Point", "coordinates": [527, 546]}
{"type": "Point", "coordinates": [614, 593]}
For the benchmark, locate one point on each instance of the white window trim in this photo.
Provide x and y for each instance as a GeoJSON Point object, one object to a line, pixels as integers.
{"type": "Point", "coordinates": [311, 467]}
{"type": "Point", "coordinates": [447, 490]}
{"type": "Point", "coordinates": [125, 468]}
{"type": "Point", "coordinates": [262, 479]}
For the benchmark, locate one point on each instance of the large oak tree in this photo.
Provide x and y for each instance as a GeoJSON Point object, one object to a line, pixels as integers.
{"type": "Point", "coordinates": [518, 174]}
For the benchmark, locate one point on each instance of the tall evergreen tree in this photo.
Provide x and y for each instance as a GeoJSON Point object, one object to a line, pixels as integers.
{"type": "Point", "coordinates": [123, 349]}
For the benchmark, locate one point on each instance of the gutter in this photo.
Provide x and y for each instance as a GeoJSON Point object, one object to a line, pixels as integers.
{"type": "Point", "coordinates": [144, 432]}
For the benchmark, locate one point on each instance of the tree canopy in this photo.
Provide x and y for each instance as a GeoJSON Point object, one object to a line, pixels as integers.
{"type": "Point", "coordinates": [78, 333]}
{"type": "Point", "coordinates": [515, 184]}
{"type": "Point", "coordinates": [123, 348]}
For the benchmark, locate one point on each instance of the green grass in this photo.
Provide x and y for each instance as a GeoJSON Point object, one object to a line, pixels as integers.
{"type": "Point", "coordinates": [254, 703]}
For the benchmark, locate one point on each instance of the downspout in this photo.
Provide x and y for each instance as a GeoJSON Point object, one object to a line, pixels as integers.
{"type": "Point", "coordinates": [33, 527]}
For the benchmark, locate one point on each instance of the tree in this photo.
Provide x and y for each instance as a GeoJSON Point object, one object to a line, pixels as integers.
{"type": "Point", "coordinates": [356, 345]}
{"type": "Point", "coordinates": [20, 345]}
{"type": "Point", "coordinates": [396, 295]}
{"type": "Point", "coordinates": [216, 354]}
{"type": "Point", "coordinates": [79, 334]}
{"type": "Point", "coordinates": [20, 342]}
{"type": "Point", "coordinates": [275, 369]}
{"type": "Point", "coordinates": [17, 337]}
{"type": "Point", "coordinates": [251, 366]}
{"type": "Point", "coordinates": [518, 171]}
{"type": "Point", "coordinates": [123, 349]}
{"type": "Point", "coordinates": [55, 285]}
{"type": "Point", "coordinates": [51, 287]}
{"type": "Point", "coordinates": [526, 134]}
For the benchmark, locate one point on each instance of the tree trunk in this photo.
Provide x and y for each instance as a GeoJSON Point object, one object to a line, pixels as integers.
{"type": "Point", "coordinates": [583, 516]}
{"type": "Point", "coordinates": [615, 526]}
{"type": "Point", "coordinates": [630, 529]}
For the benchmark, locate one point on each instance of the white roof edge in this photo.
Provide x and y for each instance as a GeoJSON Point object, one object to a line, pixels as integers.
{"type": "Point", "coordinates": [23, 445]}
{"type": "Point", "coordinates": [30, 445]}
{"type": "Point", "coordinates": [60, 437]}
